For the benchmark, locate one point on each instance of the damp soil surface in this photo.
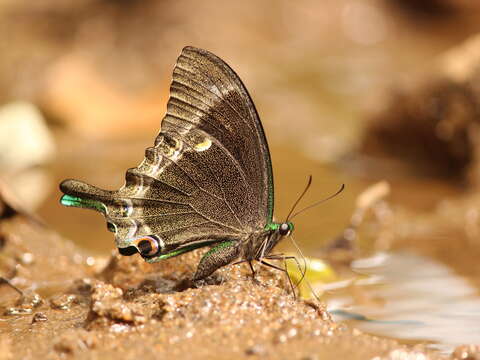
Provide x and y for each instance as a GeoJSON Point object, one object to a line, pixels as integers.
{"type": "Point", "coordinates": [91, 303]}
{"type": "Point", "coordinates": [81, 307]}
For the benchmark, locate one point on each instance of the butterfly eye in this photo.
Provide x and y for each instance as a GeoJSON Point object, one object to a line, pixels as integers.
{"type": "Point", "coordinates": [147, 246]}
{"type": "Point", "coordinates": [284, 229]}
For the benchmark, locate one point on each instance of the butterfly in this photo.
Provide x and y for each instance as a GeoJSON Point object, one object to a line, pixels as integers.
{"type": "Point", "coordinates": [206, 182]}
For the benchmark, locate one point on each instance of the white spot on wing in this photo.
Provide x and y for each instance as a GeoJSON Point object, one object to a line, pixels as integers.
{"type": "Point", "coordinates": [132, 231]}
{"type": "Point", "coordinates": [161, 243]}
{"type": "Point", "coordinates": [204, 145]}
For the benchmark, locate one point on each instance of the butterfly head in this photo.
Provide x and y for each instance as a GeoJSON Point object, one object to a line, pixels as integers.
{"type": "Point", "coordinates": [274, 233]}
{"type": "Point", "coordinates": [283, 229]}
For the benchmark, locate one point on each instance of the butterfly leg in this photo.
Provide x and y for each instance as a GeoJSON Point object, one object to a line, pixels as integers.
{"type": "Point", "coordinates": [254, 272]}
{"type": "Point", "coordinates": [285, 272]}
{"type": "Point", "coordinates": [302, 271]}
{"type": "Point", "coordinates": [253, 269]}
{"type": "Point", "coordinates": [218, 256]}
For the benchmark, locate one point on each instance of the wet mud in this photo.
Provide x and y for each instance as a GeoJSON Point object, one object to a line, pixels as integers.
{"type": "Point", "coordinates": [75, 306]}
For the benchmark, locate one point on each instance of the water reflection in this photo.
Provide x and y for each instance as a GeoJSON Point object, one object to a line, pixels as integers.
{"type": "Point", "coordinates": [415, 298]}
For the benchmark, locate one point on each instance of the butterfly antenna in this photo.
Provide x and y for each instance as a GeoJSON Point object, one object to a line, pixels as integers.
{"type": "Point", "coordinates": [320, 202]}
{"type": "Point", "coordinates": [8, 282]}
{"type": "Point", "coordinates": [300, 197]}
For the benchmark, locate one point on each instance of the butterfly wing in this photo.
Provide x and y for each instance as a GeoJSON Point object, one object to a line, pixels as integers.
{"type": "Point", "coordinates": [207, 178]}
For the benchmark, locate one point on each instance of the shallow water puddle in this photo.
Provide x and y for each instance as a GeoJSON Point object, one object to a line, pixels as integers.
{"type": "Point", "coordinates": [410, 298]}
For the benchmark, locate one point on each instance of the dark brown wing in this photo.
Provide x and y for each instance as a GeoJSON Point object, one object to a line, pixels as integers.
{"type": "Point", "coordinates": [209, 173]}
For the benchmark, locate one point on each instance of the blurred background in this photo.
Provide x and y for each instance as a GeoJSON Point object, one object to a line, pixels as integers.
{"type": "Point", "coordinates": [350, 91]}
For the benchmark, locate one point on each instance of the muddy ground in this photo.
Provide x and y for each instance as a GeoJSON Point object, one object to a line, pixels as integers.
{"type": "Point", "coordinates": [85, 307]}
{"type": "Point", "coordinates": [79, 307]}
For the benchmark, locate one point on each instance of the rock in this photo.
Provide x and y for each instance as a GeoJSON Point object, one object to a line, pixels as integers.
{"type": "Point", "coordinates": [108, 304]}
{"type": "Point", "coordinates": [25, 139]}
{"type": "Point", "coordinates": [63, 302]}
{"type": "Point", "coordinates": [431, 122]}
{"type": "Point", "coordinates": [39, 317]}
{"type": "Point", "coordinates": [25, 144]}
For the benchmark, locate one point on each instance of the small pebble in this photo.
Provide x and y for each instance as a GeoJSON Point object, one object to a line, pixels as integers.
{"type": "Point", "coordinates": [256, 350]}
{"type": "Point", "coordinates": [39, 317]}
{"type": "Point", "coordinates": [35, 300]}
{"type": "Point", "coordinates": [90, 261]}
{"type": "Point", "coordinates": [25, 305]}
{"type": "Point", "coordinates": [27, 258]}
{"type": "Point", "coordinates": [18, 311]}
{"type": "Point", "coordinates": [63, 302]}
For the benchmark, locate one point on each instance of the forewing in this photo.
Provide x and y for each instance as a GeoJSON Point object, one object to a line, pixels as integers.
{"type": "Point", "coordinates": [209, 103]}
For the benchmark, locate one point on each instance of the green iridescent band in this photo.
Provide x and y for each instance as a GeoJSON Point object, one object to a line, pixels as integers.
{"type": "Point", "coordinates": [272, 226]}
{"type": "Point", "coordinates": [74, 201]}
{"type": "Point", "coordinates": [276, 226]}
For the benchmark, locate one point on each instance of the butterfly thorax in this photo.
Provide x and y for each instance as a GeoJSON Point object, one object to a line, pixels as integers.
{"type": "Point", "coordinates": [260, 243]}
